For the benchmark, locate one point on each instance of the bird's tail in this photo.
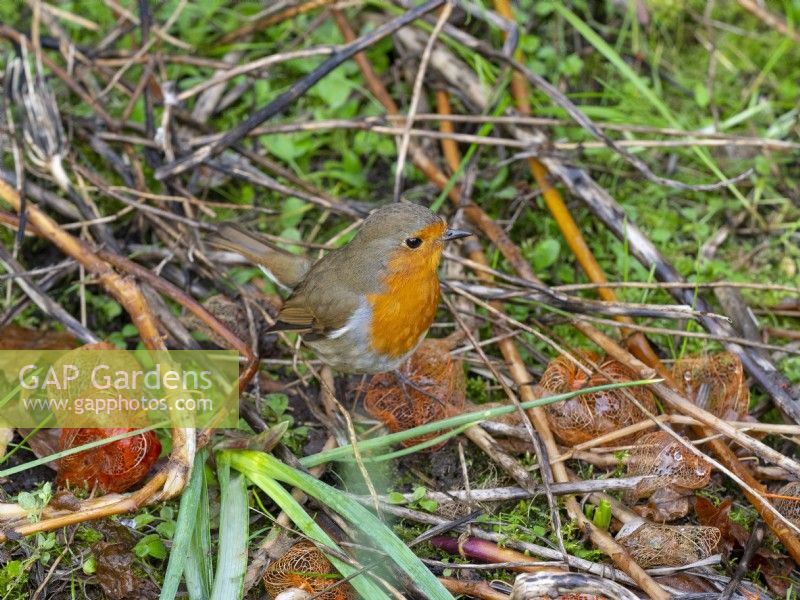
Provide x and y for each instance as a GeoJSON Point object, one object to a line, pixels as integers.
{"type": "Point", "coordinates": [287, 268]}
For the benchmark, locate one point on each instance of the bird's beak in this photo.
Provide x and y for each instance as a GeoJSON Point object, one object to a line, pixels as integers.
{"type": "Point", "coordinates": [455, 234]}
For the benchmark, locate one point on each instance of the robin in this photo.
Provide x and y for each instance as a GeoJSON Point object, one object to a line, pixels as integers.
{"type": "Point", "coordinates": [365, 307]}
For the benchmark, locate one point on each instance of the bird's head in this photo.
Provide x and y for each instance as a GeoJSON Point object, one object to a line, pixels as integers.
{"type": "Point", "coordinates": [408, 236]}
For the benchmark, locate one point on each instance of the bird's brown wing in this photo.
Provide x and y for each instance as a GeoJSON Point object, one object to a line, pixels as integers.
{"type": "Point", "coordinates": [315, 317]}
{"type": "Point", "coordinates": [294, 318]}
{"type": "Point", "coordinates": [326, 299]}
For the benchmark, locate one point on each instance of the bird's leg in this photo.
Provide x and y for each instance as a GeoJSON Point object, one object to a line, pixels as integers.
{"type": "Point", "coordinates": [406, 382]}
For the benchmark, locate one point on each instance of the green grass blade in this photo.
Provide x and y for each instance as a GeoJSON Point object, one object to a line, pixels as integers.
{"type": "Point", "coordinates": [198, 571]}
{"type": "Point", "coordinates": [233, 528]}
{"type": "Point", "coordinates": [365, 586]}
{"type": "Point", "coordinates": [346, 452]}
{"type": "Point", "coordinates": [415, 448]}
{"type": "Point", "coordinates": [370, 526]}
{"type": "Point", "coordinates": [184, 527]}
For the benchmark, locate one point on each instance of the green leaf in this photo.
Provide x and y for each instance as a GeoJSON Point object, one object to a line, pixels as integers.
{"type": "Point", "coordinates": [292, 211]}
{"type": "Point", "coordinates": [142, 520]}
{"type": "Point", "coordinates": [262, 90]}
{"type": "Point", "coordinates": [276, 404]}
{"type": "Point", "coordinates": [244, 275]}
{"type": "Point", "coordinates": [661, 234]}
{"type": "Point", "coordinates": [418, 493]}
{"type": "Point", "coordinates": [151, 545]}
{"type": "Point", "coordinates": [529, 43]}
{"type": "Point", "coordinates": [701, 95]}
{"type": "Point", "coordinates": [545, 254]}
{"type": "Point", "coordinates": [333, 89]}
{"type": "Point", "coordinates": [367, 143]}
{"type": "Point", "coordinates": [351, 162]}
{"type": "Point", "coordinates": [292, 233]}
{"type": "Point", "coordinates": [763, 165]}
{"type": "Point", "coordinates": [14, 568]}
{"type": "Point", "coordinates": [365, 586]}
{"type": "Point", "coordinates": [111, 308]}
{"type": "Point", "coordinates": [46, 542]}
{"type": "Point", "coordinates": [429, 505]}
{"type": "Point", "coordinates": [286, 146]}
{"type": "Point", "coordinates": [166, 529]}
{"type": "Point", "coordinates": [199, 570]}
{"type": "Point", "coordinates": [89, 566]}
{"type": "Point", "coordinates": [507, 193]}
{"type": "Point", "coordinates": [572, 65]}
{"type": "Point", "coordinates": [27, 501]}
{"type": "Point", "coordinates": [396, 498]}
{"type": "Point", "coordinates": [352, 179]}
{"type": "Point", "coordinates": [602, 515]}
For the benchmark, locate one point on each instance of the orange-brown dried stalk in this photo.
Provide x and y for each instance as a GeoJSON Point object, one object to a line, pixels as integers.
{"type": "Point", "coordinates": [588, 416]}
{"type": "Point", "coordinates": [305, 567]}
{"type": "Point", "coordinates": [723, 375]}
{"type": "Point", "coordinates": [434, 388]}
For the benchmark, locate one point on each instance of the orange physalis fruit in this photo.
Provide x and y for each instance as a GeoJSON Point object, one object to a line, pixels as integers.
{"type": "Point", "coordinates": [433, 389]}
{"type": "Point", "coordinates": [587, 416]}
{"type": "Point", "coordinates": [114, 467]}
{"type": "Point", "coordinates": [305, 568]}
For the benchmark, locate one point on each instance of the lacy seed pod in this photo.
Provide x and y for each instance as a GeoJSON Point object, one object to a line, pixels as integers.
{"type": "Point", "coordinates": [789, 502]}
{"type": "Point", "coordinates": [722, 375]}
{"type": "Point", "coordinates": [652, 545]}
{"type": "Point", "coordinates": [305, 568]}
{"type": "Point", "coordinates": [588, 416]}
{"type": "Point", "coordinates": [433, 389]}
{"type": "Point", "coordinates": [670, 462]}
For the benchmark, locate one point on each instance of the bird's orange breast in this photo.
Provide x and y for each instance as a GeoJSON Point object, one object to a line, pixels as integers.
{"type": "Point", "coordinates": [402, 314]}
{"type": "Point", "coordinates": [403, 311]}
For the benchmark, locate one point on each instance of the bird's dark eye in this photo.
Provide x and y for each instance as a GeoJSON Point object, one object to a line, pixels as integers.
{"type": "Point", "coordinates": [413, 242]}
